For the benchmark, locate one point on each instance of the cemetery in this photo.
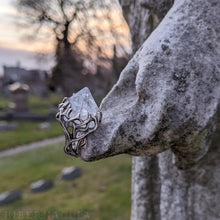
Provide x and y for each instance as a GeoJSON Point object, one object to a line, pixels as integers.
{"type": "Point", "coordinates": [38, 118]}
{"type": "Point", "coordinates": [106, 197]}
{"type": "Point", "coordinates": [126, 122]}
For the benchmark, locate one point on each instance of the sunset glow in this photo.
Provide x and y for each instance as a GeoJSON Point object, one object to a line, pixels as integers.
{"type": "Point", "coordinates": [16, 39]}
{"type": "Point", "coordinates": [12, 36]}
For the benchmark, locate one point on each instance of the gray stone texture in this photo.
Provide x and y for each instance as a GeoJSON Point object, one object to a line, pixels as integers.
{"type": "Point", "coordinates": [70, 173]}
{"type": "Point", "coordinates": [167, 96]}
{"type": "Point", "coordinates": [41, 185]}
{"type": "Point", "coordinates": [9, 197]}
{"type": "Point", "coordinates": [166, 101]}
{"type": "Point", "coordinates": [143, 16]}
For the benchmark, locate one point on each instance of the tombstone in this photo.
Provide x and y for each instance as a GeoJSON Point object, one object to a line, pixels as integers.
{"type": "Point", "coordinates": [70, 173]}
{"type": "Point", "coordinates": [19, 93]}
{"type": "Point", "coordinates": [44, 126]}
{"type": "Point", "coordinates": [41, 185]}
{"type": "Point", "coordinates": [9, 197]}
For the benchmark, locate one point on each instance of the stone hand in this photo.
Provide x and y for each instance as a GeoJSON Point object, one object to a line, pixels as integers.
{"type": "Point", "coordinates": [167, 96]}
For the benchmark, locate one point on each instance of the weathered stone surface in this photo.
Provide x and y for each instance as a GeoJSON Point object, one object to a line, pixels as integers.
{"type": "Point", "coordinates": [70, 173]}
{"type": "Point", "coordinates": [161, 191]}
{"type": "Point", "coordinates": [145, 188]}
{"type": "Point", "coordinates": [9, 197]}
{"type": "Point", "coordinates": [143, 17]}
{"type": "Point", "coordinates": [167, 96]}
{"type": "Point", "coordinates": [41, 185]}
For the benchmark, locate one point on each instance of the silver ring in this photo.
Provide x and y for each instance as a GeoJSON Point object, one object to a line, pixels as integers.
{"type": "Point", "coordinates": [79, 116]}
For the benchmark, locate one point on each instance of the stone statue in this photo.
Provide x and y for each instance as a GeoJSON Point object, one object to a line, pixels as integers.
{"type": "Point", "coordinates": [163, 110]}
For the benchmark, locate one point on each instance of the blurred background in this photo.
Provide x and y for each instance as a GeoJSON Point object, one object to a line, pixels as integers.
{"type": "Point", "coordinates": [48, 50]}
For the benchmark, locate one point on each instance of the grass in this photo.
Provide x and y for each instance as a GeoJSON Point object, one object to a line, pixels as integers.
{"type": "Point", "coordinates": [52, 99]}
{"type": "Point", "coordinates": [27, 132]}
{"type": "Point", "coordinates": [37, 104]}
{"type": "Point", "coordinates": [44, 105]}
{"type": "Point", "coordinates": [102, 193]}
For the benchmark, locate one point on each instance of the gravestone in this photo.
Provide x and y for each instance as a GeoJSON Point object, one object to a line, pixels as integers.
{"type": "Point", "coordinates": [70, 173]}
{"type": "Point", "coordinates": [19, 93]}
{"type": "Point", "coordinates": [9, 197]}
{"type": "Point", "coordinates": [41, 185]}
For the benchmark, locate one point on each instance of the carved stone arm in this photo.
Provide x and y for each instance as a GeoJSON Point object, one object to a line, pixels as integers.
{"type": "Point", "coordinates": [167, 96]}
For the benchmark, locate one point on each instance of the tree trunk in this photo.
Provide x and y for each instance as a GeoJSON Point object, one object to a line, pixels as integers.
{"type": "Point", "coordinates": [161, 191]}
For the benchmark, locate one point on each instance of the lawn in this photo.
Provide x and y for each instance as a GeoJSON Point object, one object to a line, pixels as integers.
{"type": "Point", "coordinates": [29, 131]}
{"type": "Point", "coordinates": [44, 105]}
{"type": "Point", "coordinates": [26, 132]}
{"type": "Point", "coordinates": [101, 193]}
{"type": "Point", "coordinates": [37, 104]}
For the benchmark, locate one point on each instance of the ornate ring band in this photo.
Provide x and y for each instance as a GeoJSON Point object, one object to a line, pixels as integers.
{"type": "Point", "coordinates": [78, 116]}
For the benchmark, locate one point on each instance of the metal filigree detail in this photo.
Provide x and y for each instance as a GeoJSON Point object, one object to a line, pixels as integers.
{"type": "Point", "coordinates": [76, 129]}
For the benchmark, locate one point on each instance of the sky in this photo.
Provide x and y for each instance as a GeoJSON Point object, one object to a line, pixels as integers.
{"type": "Point", "coordinates": [13, 48]}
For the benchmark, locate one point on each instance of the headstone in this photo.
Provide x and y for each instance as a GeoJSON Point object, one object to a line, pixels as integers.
{"type": "Point", "coordinates": [41, 185]}
{"type": "Point", "coordinates": [9, 197]}
{"type": "Point", "coordinates": [71, 173]}
{"type": "Point", "coordinates": [19, 94]}
{"type": "Point", "coordinates": [44, 126]}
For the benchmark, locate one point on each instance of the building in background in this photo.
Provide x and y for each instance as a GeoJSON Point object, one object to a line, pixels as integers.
{"type": "Point", "coordinates": [37, 80]}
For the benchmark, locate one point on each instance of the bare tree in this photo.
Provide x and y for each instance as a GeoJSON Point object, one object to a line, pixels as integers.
{"type": "Point", "coordinates": [79, 27]}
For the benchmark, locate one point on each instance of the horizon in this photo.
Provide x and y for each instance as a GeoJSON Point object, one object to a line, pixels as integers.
{"type": "Point", "coordinates": [25, 59]}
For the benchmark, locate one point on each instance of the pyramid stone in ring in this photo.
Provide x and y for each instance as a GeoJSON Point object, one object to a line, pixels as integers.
{"type": "Point", "coordinates": [83, 103]}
